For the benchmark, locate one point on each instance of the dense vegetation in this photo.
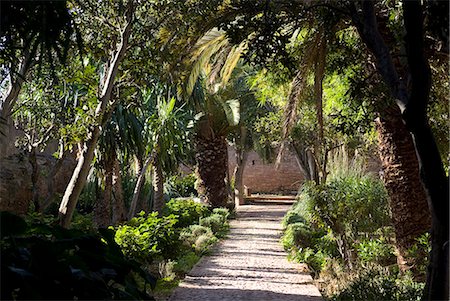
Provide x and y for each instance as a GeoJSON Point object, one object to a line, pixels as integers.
{"type": "Point", "coordinates": [106, 106]}
{"type": "Point", "coordinates": [341, 229]}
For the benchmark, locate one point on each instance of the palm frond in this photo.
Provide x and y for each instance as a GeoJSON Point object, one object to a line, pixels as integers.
{"type": "Point", "coordinates": [202, 59]}
{"type": "Point", "coordinates": [231, 62]}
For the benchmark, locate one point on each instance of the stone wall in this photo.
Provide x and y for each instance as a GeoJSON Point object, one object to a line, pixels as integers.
{"type": "Point", "coordinates": [264, 177]}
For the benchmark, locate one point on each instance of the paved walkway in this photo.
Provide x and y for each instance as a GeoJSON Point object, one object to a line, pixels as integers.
{"type": "Point", "coordinates": [250, 265]}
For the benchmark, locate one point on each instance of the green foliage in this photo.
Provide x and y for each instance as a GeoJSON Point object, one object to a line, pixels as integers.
{"type": "Point", "coordinates": [375, 284]}
{"type": "Point", "coordinates": [225, 212]}
{"type": "Point", "coordinates": [188, 212]}
{"type": "Point", "coordinates": [333, 219]}
{"type": "Point", "coordinates": [316, 260]}
{"type": "Point", "coordinates": [348, 205]}
{"type": "Point", "coordinates": [198, 238]}
{"type": "Point", "coordinates": [49, 262]}
{"type": "Point", "coordinates": [267, 130]}
{"type": "Point", "coordinates": [377, 251]}
{"type": "Point", "coordinates": [420, 252]}
{"type": "Point", "coordinates": [181, 186]}
{"type": "Point", "coordinates": [216, 222]}
{"type": "Point", "coordinates": [185, 262]}
{"type": "Point", "coordinates": [190, 234]}
{"type": "Point", "coordinates": [145, 238]}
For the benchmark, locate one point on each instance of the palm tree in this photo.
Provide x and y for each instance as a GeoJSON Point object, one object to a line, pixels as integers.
{"type": "Point", "coordinates": [167, 137]}
{"type": "Point", "coordinates": [122, 137]}
{"type": "Point", "coordinates": [214, 60]}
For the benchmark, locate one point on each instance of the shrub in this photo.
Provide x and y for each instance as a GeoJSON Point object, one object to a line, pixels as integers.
{"type": "Point", "coordinates": [203, 242]}
{"type": "Point", "coordinates": [296, 235]}
{"type": "Point", "coordinates": [316, 260]}
{"type": "Point", "coordinates": [189, 235]}
{"type": "Point", "coordinates": [292, 217]}
{"type": "Point", "coordinates": [420, 252]}
{"type": "Point", "coordinates": [215, 222]}
{"type": "Point", "coordinates": [145, 238]}
{"type": "Point", "coordinates": [43, 262]}
{"type": "Point", "coordinates": [376, 283]}
{"type": "Point", "coordinates": [188, 212]}
{"type": "Point", "coordinates": [181, 186]}
{"type": "Point", "coordinates": [375, 251]}
{"type": "Point", "coordinates": [185, 262]}
{"type": "Point", "coordinates": [225, 212]}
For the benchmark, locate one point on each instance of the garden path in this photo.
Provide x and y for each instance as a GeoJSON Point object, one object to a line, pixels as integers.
{"type": "Point", "coordinates": [249, 264]}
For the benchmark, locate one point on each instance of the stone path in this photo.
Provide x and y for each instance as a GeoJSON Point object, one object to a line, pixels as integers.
{"type": "Point", "coordinates": [249, 265]}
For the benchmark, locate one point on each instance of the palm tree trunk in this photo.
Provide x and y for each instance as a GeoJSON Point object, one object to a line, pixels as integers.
{"type": "Point", "coordinates": [158, 186]}
{"type": "Point", "coordinates": [410, 215]}
{"type": "Point", "coordinates": [81, 172]}
{"type": "Point", "coordinates": [212, 156]}
{"type": "Point", "coordinates": [413, 103]}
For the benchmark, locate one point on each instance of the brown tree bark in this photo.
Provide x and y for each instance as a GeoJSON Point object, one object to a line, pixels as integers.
{"type": "Point", "coordinates": [211, 157]}
{"type": "Point", "coordinates": [412, 98]}
{"type": "Point", "coordinates": [410, 215]}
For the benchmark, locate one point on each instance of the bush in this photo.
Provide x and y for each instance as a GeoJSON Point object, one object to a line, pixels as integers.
{"type": "Point", "coordinates": [185, 263]}
{"type": "Point", "coordinates": [203, 242]}
{"type": "Point", "coordinates": [225, 212]}
{"type": "Point", "coordinates": [316, 260]}
{"type": "Point", "coordinates": [216, 222]}
{"type": "Point", "coordinates": [297, 235]}
{"type": "Point", "coordinates": [420, 252]}
{"type": "Point", "coordinates": [376, 283]}
{"type": "Point", "coordinates": [188, 212]}
{"type": "Point", "coordinates": [145, 238]}
{"type": "Point", "coordinates": [43, 262]}
{"type": "Point", "coordinates": [375, 251]}
{"type": "Point", "coordinates": [292, 217]}
{"type": "Point", "coordinates": [189, 235]}
{"type": "Point", "coordinates": [179, 186]}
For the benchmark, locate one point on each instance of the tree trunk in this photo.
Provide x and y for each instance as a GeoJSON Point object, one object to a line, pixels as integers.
{"type": "Point", "coordinates": [238, 174]}
{"type": "Point", "coordinates": [7, 138]}
{"type": "Point", "coordinates": [103, 208]}
{"type": "Point", "coordinates": [81, 172]}
{"type": "Point", "coordinates": [410, 215]}
{"type": "Point", "coordinates": [211, 156]}
{"type": "Point", "coordinates": [241, 160]}
{"type": "Point", "coordinates": [137, 189]}
{"type": "Point", "coordinates": [158, 186]}
{"type": "Point", "coordinates": [34, 179]}
{"type": "Point", "coordinates": [119, 211]}
{"type": "Point", "coordinates": [413, 104]}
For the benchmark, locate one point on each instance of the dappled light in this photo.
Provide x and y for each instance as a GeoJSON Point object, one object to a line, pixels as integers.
{"type": "Point", "coordinates": [224, 150]}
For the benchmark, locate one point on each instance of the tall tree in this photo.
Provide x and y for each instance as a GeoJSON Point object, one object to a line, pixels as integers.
{"type": "Point", "coordinates": [412, 99]}
{"type": "Point", "coordinates": [102, 112]}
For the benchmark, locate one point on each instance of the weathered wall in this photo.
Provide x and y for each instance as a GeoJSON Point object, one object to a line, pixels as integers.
{"type": "Point", "coordinates": [16, 185]}
{"type": "Point", "coordinates": [264, 178]}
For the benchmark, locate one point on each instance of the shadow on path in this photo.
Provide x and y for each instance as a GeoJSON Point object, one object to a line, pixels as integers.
{"type": "Point", "coordinates": [249, 264]}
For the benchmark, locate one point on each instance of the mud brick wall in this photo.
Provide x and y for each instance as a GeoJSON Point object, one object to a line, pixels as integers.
{"type": "Point", "coordinates": [264, 178]}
